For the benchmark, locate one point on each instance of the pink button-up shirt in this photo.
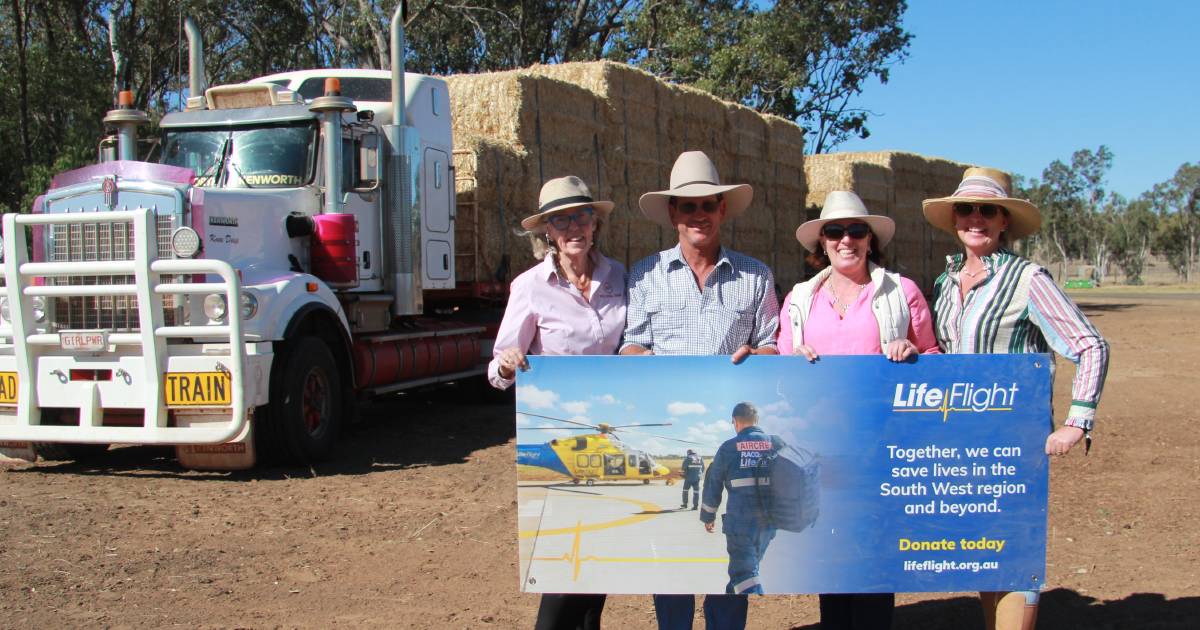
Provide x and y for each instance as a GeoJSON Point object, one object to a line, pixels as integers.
{"type": "Point", "coordinates": [857, 333]}
{"type": "Point", "coordinates": [546, 314]}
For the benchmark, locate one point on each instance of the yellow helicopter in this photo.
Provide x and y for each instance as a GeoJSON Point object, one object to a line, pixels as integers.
{"type": "Point", "coordinates": [591, 458]}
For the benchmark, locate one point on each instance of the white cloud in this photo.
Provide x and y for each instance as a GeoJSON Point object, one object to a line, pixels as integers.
{"type": "Point", "coordinates": [555, 432]}
{"type": "Point", "coordinates": [577, 407]}
{"type": "Point", "coordinates": [535, 398]}
{"type": "Point", "coordinates": [653, 446]}
{"type": "Point", "coordinates": [776, 408]}
{"type": "Point", "coordinates": [679, 408]}
{"type": "Point", "coordinates": [707, 432]}
{"type": "Point", "coordinates": [606, 399]}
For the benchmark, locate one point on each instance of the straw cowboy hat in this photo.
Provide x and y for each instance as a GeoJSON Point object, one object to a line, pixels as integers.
{"type": "Point", "coordinates": [985, 185]}
{"type": "Point", "coordinates": [563, 193]}
{"type": "Point", "coordinates": [842, 204]}
{"type": "Point", "coordinates": [694, 175]}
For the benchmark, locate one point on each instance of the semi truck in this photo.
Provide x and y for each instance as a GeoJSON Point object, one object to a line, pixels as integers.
{"type": "Point", "coordinates": [281, 260]}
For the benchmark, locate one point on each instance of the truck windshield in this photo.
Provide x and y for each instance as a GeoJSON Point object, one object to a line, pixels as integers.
{"type": "Point", "coordinates": [276, 156]}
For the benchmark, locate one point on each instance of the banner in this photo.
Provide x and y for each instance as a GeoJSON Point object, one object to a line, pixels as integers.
{"type": "Point", "coordinates": [922, 476]}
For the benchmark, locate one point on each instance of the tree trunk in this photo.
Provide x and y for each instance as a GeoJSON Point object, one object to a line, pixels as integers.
{"type": "Point", "coordinates": [20, 25]}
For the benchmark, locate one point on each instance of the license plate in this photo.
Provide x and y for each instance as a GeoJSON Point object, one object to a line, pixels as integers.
{"type": "Point", "coordinates": [83, 340]}
{"type": "Point", "coordinates": [8, 388]}
{"type": "Point", "coordinates": [197, 389]}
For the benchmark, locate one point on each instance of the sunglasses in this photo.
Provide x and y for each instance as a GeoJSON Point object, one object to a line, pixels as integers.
{"type": "Point", "coordinates": [689, 207]}
{"type": "Point", "coordinates": [986, 210]}
{"type": "Point", "coordinates": [835, 231]}
{"type": "Point", "coordinates": [582, 218]}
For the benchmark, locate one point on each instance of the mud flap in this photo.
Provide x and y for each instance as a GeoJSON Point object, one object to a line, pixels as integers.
{"type": "Point", "coordinates": [236, 454]}
{"type": "Point", "coordinates": [17, 452]}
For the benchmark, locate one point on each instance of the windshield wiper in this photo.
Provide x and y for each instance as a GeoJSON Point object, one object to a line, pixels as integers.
{"type": "Point", "coordinates": [214, 169]}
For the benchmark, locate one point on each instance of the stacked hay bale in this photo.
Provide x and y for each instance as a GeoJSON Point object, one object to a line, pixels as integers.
{"type": "Point", "coordinates": [893, 184]}
{"type": "Point", "coordinates": [620, 129]}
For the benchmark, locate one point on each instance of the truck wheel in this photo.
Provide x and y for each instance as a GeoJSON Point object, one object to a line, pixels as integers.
{"type": "Point", "coordinates": [65, 452]}
{"type": "Point", "coordinates": [304, 415]}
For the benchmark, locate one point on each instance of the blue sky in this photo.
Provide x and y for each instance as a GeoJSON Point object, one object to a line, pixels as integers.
{"type": "Point", "coordinates": [1016, 85]}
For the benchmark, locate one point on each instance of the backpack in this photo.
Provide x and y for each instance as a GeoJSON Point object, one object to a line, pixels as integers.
{"type": "Point", "coordinates": [788, 486]}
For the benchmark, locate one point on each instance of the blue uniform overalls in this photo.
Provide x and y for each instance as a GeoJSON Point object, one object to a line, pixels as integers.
{"type": "Point", "coordinates": [746, 526]}
{"type": "Point", "coordinates": [693, 468]}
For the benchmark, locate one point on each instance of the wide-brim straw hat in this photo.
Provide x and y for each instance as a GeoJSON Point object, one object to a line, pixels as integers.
{"type": "Point", "coordinates": [843, 204]}
{"type": "Point", "coordinates": [985, 185]}
{"type": "Point", "coordinates": [563, 193]}
{"type": "Point", "coordinates": [694, 175]}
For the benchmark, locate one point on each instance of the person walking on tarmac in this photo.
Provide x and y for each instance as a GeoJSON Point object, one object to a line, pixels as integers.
{"type": "Point", "coordinates": [746, 524]}
{"type": "Point", "coordinates": [693, 467]}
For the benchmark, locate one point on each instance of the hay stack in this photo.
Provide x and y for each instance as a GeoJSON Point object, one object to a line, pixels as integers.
{"type": "Point", "coordinates": [893, 184]}
{"type": "Point", "coordinates": [620, 129]}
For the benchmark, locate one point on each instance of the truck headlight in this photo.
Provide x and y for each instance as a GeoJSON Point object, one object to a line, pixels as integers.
{"type": "Point", "coordinates": [39, 309]}
{"type": "Point", "coordinates": [215, 307]}
{"type": "Point", "coordinates": [185, 242]}
{"type": "Point", "coordinates": [249, 305]}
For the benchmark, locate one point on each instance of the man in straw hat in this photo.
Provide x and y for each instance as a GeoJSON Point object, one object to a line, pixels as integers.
{"type": "Point", "coordinates": [991, 300]}
{"type": "Point", "coordinates": [699, 298]}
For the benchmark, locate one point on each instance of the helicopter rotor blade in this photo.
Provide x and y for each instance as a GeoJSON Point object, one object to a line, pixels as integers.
{"type": "Point", "coordinates": [538, 415]}
{"type": "Point", "coordinates": [664, 437]}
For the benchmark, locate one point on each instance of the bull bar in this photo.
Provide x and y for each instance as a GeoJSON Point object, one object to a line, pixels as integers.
{"type": "Point", "coordinates": [152, 334]}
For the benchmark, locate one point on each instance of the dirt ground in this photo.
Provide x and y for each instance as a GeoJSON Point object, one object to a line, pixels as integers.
{"type": "Point", "coordinates": [413, 524]}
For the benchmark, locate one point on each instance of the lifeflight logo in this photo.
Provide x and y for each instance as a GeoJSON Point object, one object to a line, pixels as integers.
{"type": "Point", "coordinates": [920, 397]}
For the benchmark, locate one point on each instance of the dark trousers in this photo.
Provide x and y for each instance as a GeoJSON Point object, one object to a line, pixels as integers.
{"type": "Point", "coordinates": [569, 612]}
{"type": "Point", "coordinates": [857, 611]}
{"type": "Point", "coordinates": [721, 612]}
{"type": "Point", "coordinates": [695, 486]}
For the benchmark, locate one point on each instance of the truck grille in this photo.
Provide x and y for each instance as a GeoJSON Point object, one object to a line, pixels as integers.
{"type": "Point", "coordinates": [104, 242]}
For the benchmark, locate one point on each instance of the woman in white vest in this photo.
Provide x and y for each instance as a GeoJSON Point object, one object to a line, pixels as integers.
{"type": "Point", "coordinates": [853, 306]}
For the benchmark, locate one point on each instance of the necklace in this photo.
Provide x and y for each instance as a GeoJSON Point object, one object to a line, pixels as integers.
{"type": "Point", "coordinates": [841, 306]}
{"type": "Point", "coordinates": [582, 283]}
{"type": "Point", "coordinates": [973, 275]}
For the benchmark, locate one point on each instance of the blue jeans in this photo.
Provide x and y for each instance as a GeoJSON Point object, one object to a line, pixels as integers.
{"type": "Point", "coordinates": [721, 612]}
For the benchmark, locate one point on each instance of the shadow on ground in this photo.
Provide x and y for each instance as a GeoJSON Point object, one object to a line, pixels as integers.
{"type": "Point", "coordinates": [1061, 609]}
{"type": "Point", "coordinates": [1099, 308]}
{"type": "Point", "coordinates": [431, 427]}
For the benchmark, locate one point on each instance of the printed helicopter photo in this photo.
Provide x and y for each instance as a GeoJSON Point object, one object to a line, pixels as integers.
{"type": "Point", "coordinates": [597, 456]}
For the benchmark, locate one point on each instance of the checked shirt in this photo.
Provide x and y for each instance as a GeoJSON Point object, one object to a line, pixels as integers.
{"type": "Point", "coordinates": [670, 315]}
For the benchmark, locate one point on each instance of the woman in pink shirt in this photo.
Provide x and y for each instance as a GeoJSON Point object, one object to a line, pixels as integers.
{"type": "Point", "coordinates": [573, 302]}
{"type": "Point", "coordinates": [853, 306]}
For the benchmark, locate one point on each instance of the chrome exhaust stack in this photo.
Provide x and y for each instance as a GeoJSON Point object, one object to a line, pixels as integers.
{"type": "Point", "coordinates": [196, 83]}
{"type": "Point", "coordinates": [330, 108]}
{"type": "Point", "coordinates": [401, 224]}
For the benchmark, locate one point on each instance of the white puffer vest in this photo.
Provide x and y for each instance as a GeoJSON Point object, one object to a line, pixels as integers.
{"type": "Point", "coordinates": [888, 302]}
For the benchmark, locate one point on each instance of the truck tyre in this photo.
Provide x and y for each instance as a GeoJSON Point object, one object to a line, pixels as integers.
{"type": "Point", "coordinates": [65, 452]}
{"type": "Point", "coordinates": [304, 415]}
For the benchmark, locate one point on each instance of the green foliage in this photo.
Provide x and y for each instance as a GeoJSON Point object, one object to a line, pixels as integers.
{"type": "Point", "coordinates": [804, 60]}
{"type": "Point", "coordinates": [1130, 230]}
{"type": "Point", "coordinates": [1177, 202]}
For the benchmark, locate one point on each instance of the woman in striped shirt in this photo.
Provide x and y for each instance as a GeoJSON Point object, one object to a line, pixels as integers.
{"type": "Point", "coordinates": [990, 300]}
